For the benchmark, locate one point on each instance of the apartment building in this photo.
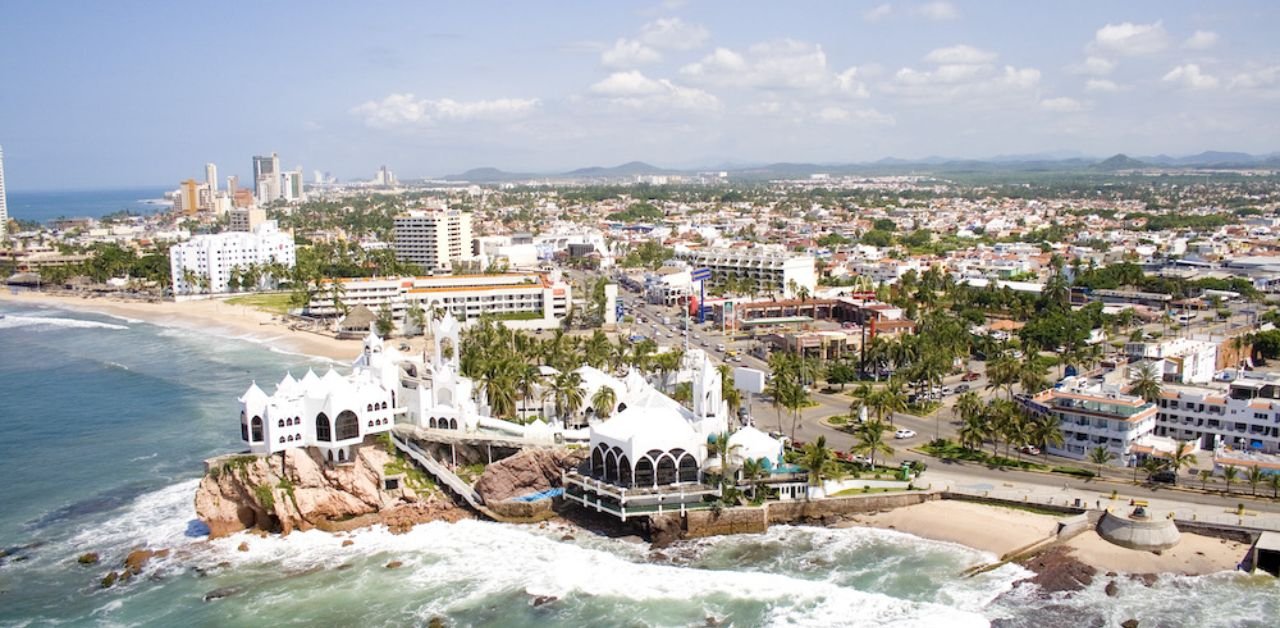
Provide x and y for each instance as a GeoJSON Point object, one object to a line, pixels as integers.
{"type": "Point", "coordinates": [521, 300]}
{"type": "Point", "coordinates": [1243, 414]}
{"type": "Point", "coordinates": [1093, 415]}
{"type": "Point", "coordinates": [204, 263]}
{"type": "Point", "coordinates": [779, 272]}
{"type": "Point", "coordinates": [1179, 360]}
{"type": "Point", "coordinates": [433, 238]}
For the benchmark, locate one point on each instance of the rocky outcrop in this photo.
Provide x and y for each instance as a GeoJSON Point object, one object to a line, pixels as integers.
{"type": "Point", "coordinates": [296, 490]}
{"type": "Point", "coordinates": [530, 471]}
{"type": "Point", "coordinates": [1057, 569]}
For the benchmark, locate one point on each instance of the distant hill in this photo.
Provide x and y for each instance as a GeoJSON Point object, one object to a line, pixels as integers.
{"type": "Point", "coordinates": [629, 169]}
{"type": "Point", "coordinates": [1118, 162]}
{"type": "Point", "coordinates": [488, 175]}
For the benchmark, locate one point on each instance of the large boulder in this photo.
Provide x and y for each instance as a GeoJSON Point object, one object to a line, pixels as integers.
{"type": "Point", "coordinates": [530, 471]}
{"type": "Point", "coordinates": [295, 490]}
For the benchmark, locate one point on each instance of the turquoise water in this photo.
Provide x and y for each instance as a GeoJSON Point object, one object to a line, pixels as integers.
{"type": "Point", "coordinates": [106, 422]}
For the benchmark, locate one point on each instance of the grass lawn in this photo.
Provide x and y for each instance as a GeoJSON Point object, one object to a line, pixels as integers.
{"type": "Point", "coordinates": [275, 302]}
{"type": "Point", "coordinates": [952, 451]}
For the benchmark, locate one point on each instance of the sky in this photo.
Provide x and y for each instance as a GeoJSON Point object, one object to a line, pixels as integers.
{"type": "Point", "coordinates": [122, 93]}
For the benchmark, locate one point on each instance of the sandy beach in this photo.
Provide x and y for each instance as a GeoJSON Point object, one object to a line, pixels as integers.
{"type": "Point", "coordinates": [1002, 530]}
{"type": "Point", "coordinates": [211, 316]}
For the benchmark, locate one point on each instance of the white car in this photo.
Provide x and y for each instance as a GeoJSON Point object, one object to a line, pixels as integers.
{"type": "Point", "coordinates": [904, 433]}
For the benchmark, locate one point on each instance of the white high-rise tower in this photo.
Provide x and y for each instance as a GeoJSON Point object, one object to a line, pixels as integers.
{"type": "Point", "coordinates": [211, 179]}
{"type": "Point", "coordinates": [4, 204]}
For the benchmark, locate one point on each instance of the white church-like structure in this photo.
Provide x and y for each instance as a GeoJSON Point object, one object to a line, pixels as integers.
{"type": "Point", "coordinates": [650, 454]}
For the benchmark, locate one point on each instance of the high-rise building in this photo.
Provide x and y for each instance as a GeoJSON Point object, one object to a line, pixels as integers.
{"type": "Point", "coordinates": [211, 178]}
{"type": "Point", "coordinates": [433, 238]}
{"type": "Point", "coordinates": [266, 178]}
{"type": "Point", "coordinates": [291, 185]}
{"type": "Point", "coordinates": [233, 184]}
{"type": "Point", "coordinates": [4, 203]}
{"type": "Point", "coordinates": [246, 219]}
{"type": "Point", "coordinates": [265, 166]}
{"type": "Point", "coordinates": [384, 177]}
{"type": "Point", "coordinates": [187, 200]}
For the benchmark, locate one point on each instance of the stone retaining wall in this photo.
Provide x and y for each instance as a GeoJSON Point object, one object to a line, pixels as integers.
{"type": "Point", "coordinates": [996, 501]}
{"type": "Point", "coordinates": [815, 511]}
{"type": "Point", "coordinates": [746, 520]}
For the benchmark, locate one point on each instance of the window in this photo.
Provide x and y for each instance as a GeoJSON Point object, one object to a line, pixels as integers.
{"type": "Point", "coordinates": [255, 427]}
{"type": "Point", "coordinates": [323, 428]}
{"type": "Point", "coordinates": [280, 423]}
{"type": "Point", "coordinates": [347, 425]}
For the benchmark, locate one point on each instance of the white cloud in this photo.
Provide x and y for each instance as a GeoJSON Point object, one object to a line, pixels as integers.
{"type": "Point", "coordinates": [1093, 66]}
{"type": "Point", "coordinates": [1061, 105]}
{"type": "Point", "coordinates": [878, 12]}
{"type": "Point", "coordinates": [633, 89]}
{"type": "Point", "coordinates": [397, 110]}
{"type": "Point", "coordinates": [673, 33]}
{"type": "Point", "coordinates": [627, 53]}
{"type": "Point", "coordinates": [834, 114]}
{"type": "Point", "coordinates": [937, 11]}
{"type": "Point", "coordinates": [1201, 40]}
{"type": "Point", "coordinates": [1127, 38]}
{"type": "Point", "coordinates": [1260, 78]}
{"type": "Point", "coordinates": [961, 54]}
{"type": "Point", "coordinates": [1101, 85]}
{"type": "Point", "coordinates": [955, 84]}
{"type": "Point", "coordinates": [1189, 76]}
{"type": "Point", "coordinates": [779, 64]}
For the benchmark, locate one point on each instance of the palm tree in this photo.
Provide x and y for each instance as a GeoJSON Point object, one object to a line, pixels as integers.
{"type": "Point", "coordinates": [862, 395]}
{"type": "Point", "coordinates": [1003, 372]}
{"type": "Point", "coordinates": [753, 472]}
{"type": "Point", "coordinates": [1101, 456]}
{"type": "Point", "coordinates": [1255, 477]}
{"type": "Point", "coordinates": [1273, 480]}
{"type": "Point", "coordinates": [888, 400]}
{"type": "Point", "coordinates": [604, 401]}
{"type": "Point", "coordinates": [1046, 432]}
{"type": "Point", "coordinates": [1146, 382]}
{"type": "Point", "coordinates": [974, 431]}
{"type": "Point", "coordinates": [871, 441]}
{"type": "Point", "coordinates": [417, 316]}
{"type": "Point", "coordinates": [1181, 457]}
{"type": "Point", "coordinates": [1230, 473]}
{"type": "Point", "coordinates": [1205, 474]}
{"type": "Point", "coordinates": [566, 391]}
{"type": "Point", "coordinates": [1151, 465]}
{"type": "Point", "coordinates": [817, 459]}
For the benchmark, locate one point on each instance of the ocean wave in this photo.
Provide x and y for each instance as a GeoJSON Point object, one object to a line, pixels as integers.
{"type": "Point", "coordinates": [157, 519]}
{"type": "Point", "coordinates": [11, 321]}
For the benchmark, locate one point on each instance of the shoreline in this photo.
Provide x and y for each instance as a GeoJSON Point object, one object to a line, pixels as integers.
{"type": "Point", "coordinates": [209, 317]}
{"type": "Point", "coordinates": [1001, 531]}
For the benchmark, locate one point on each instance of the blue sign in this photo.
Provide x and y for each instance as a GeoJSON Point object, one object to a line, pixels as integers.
{"type": "Point", "coordinates": [701, 274]}
{"type": "Point", "coordinates": [618, 310]}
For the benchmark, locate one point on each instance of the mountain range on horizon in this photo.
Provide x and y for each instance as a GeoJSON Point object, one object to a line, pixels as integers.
{"type": "Point", "coordinates": [1044, 161]}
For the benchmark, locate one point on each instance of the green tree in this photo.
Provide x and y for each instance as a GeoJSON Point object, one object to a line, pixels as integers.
{"type": "Point", "coordinates": [1101, 456]}
{"type": "Point", "coordinates": [1230, 473]}
{"type": "Point", "coordinates": [604, 401]}
{"type": "Point", "coordinates": [871, 442]}
{"type": "Point", "coordinates": [817, 459]}
{"type": "Point", "coordinates": [1255, 477]}
{"type": "Point", "coordinates": [385, 322]}
{"type": "Point", "coordinates": [1146, 381]}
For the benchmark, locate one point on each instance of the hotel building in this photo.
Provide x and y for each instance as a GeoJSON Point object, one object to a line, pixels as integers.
{"type": "Point", "coordinates": [433, 238]}
{"type": "Point", "coordinates": [1241, 415]}
{"type": "Point", "coordinates": [1095, 415]}
{"type": "Point", "coordinates": [519, 300]}
{"type": "Point", "coordinates": [212, 257]}
{"type": "Point", "coordinates": [779, 272]}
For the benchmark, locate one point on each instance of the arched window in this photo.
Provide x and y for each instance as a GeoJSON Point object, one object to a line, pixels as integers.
{"type": "Point", "coordinates": [432, 423]}
{"type": "Point", "coordinates": [453, 424]}
{"type": "Point", "coordinates": [342, 455]}
{"type": "Point", "coordinates": [347, 425]}
{"type": "Point", "coordinates": [280, 423]}
{"type": "Point", "coordinates": [384, 405]}
{"type": "Point", "coordinates": [624, 471]}
{"type": "Point", "coordinates": [688, 468]}
{"type": "Point", "coordinates": [244, 432]}
{"type": "Point", "coordinates": [255, 429]}
{"type": "Point", "coordinates": [597, 460]}
{"type": "Point", "coordinates": [666, 470]}
{"type": "Point", "coordinates": [281, 440]}
{"type": "Point", "coordinates": [644, 472]}
{"type": "Point", "coordinates": [369, 408]}
{"type": "Point", "coordinates": [330, 452]}
{"type": "Point", "coordinates": [621, 407]}
{"type": "Point", "coordinates": [369, 424]}
{"type": "Point", "coordinates": [610, 467]}
{"type": "Point", "coordinates": [324, 431]}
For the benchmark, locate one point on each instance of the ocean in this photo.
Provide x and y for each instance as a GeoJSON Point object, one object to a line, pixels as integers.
{"type": "Point", "coordinates": [45, 205]}
{"type": "Point", "coordinates": [106, 422]}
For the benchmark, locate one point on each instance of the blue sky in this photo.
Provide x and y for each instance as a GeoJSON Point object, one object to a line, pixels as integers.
{"type": "Point", "coordinates": [127, 93]}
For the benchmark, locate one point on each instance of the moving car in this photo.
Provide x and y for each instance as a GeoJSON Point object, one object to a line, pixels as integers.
{"type": "Point", "coordinates": [962, 388]}
{"type": "Point", "coordinates": [904, 433]}
{"type": "Point", "coordinates": [1030, 450]}
{"type": "Point", "coordinates": [970, 377]}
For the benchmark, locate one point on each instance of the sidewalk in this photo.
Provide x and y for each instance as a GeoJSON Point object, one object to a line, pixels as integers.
{"type": "Point", "coordinates": [1099, 498]}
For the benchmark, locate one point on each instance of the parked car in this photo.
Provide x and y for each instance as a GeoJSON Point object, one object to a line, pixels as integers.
{"type": "Point", "coordinates": [904, 433]}
{"type": "Point", "coordinates": [970, 377]}
{"type": "Point", "coordinates": [1164, 477]}
{"type": "Point", "coordinates": [962, 388]}
{"type": "Point", "coordinates": [1030, 450]}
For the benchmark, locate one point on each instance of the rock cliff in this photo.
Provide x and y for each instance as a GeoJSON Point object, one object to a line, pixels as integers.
{"type": "Point", "coordinates": [530, 471]}
{"type": "Point", "coordinates": [296, 490]}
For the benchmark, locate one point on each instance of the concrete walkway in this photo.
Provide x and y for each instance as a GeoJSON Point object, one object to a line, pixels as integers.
{"type": "Point", "coordinates": [1099, 497]}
